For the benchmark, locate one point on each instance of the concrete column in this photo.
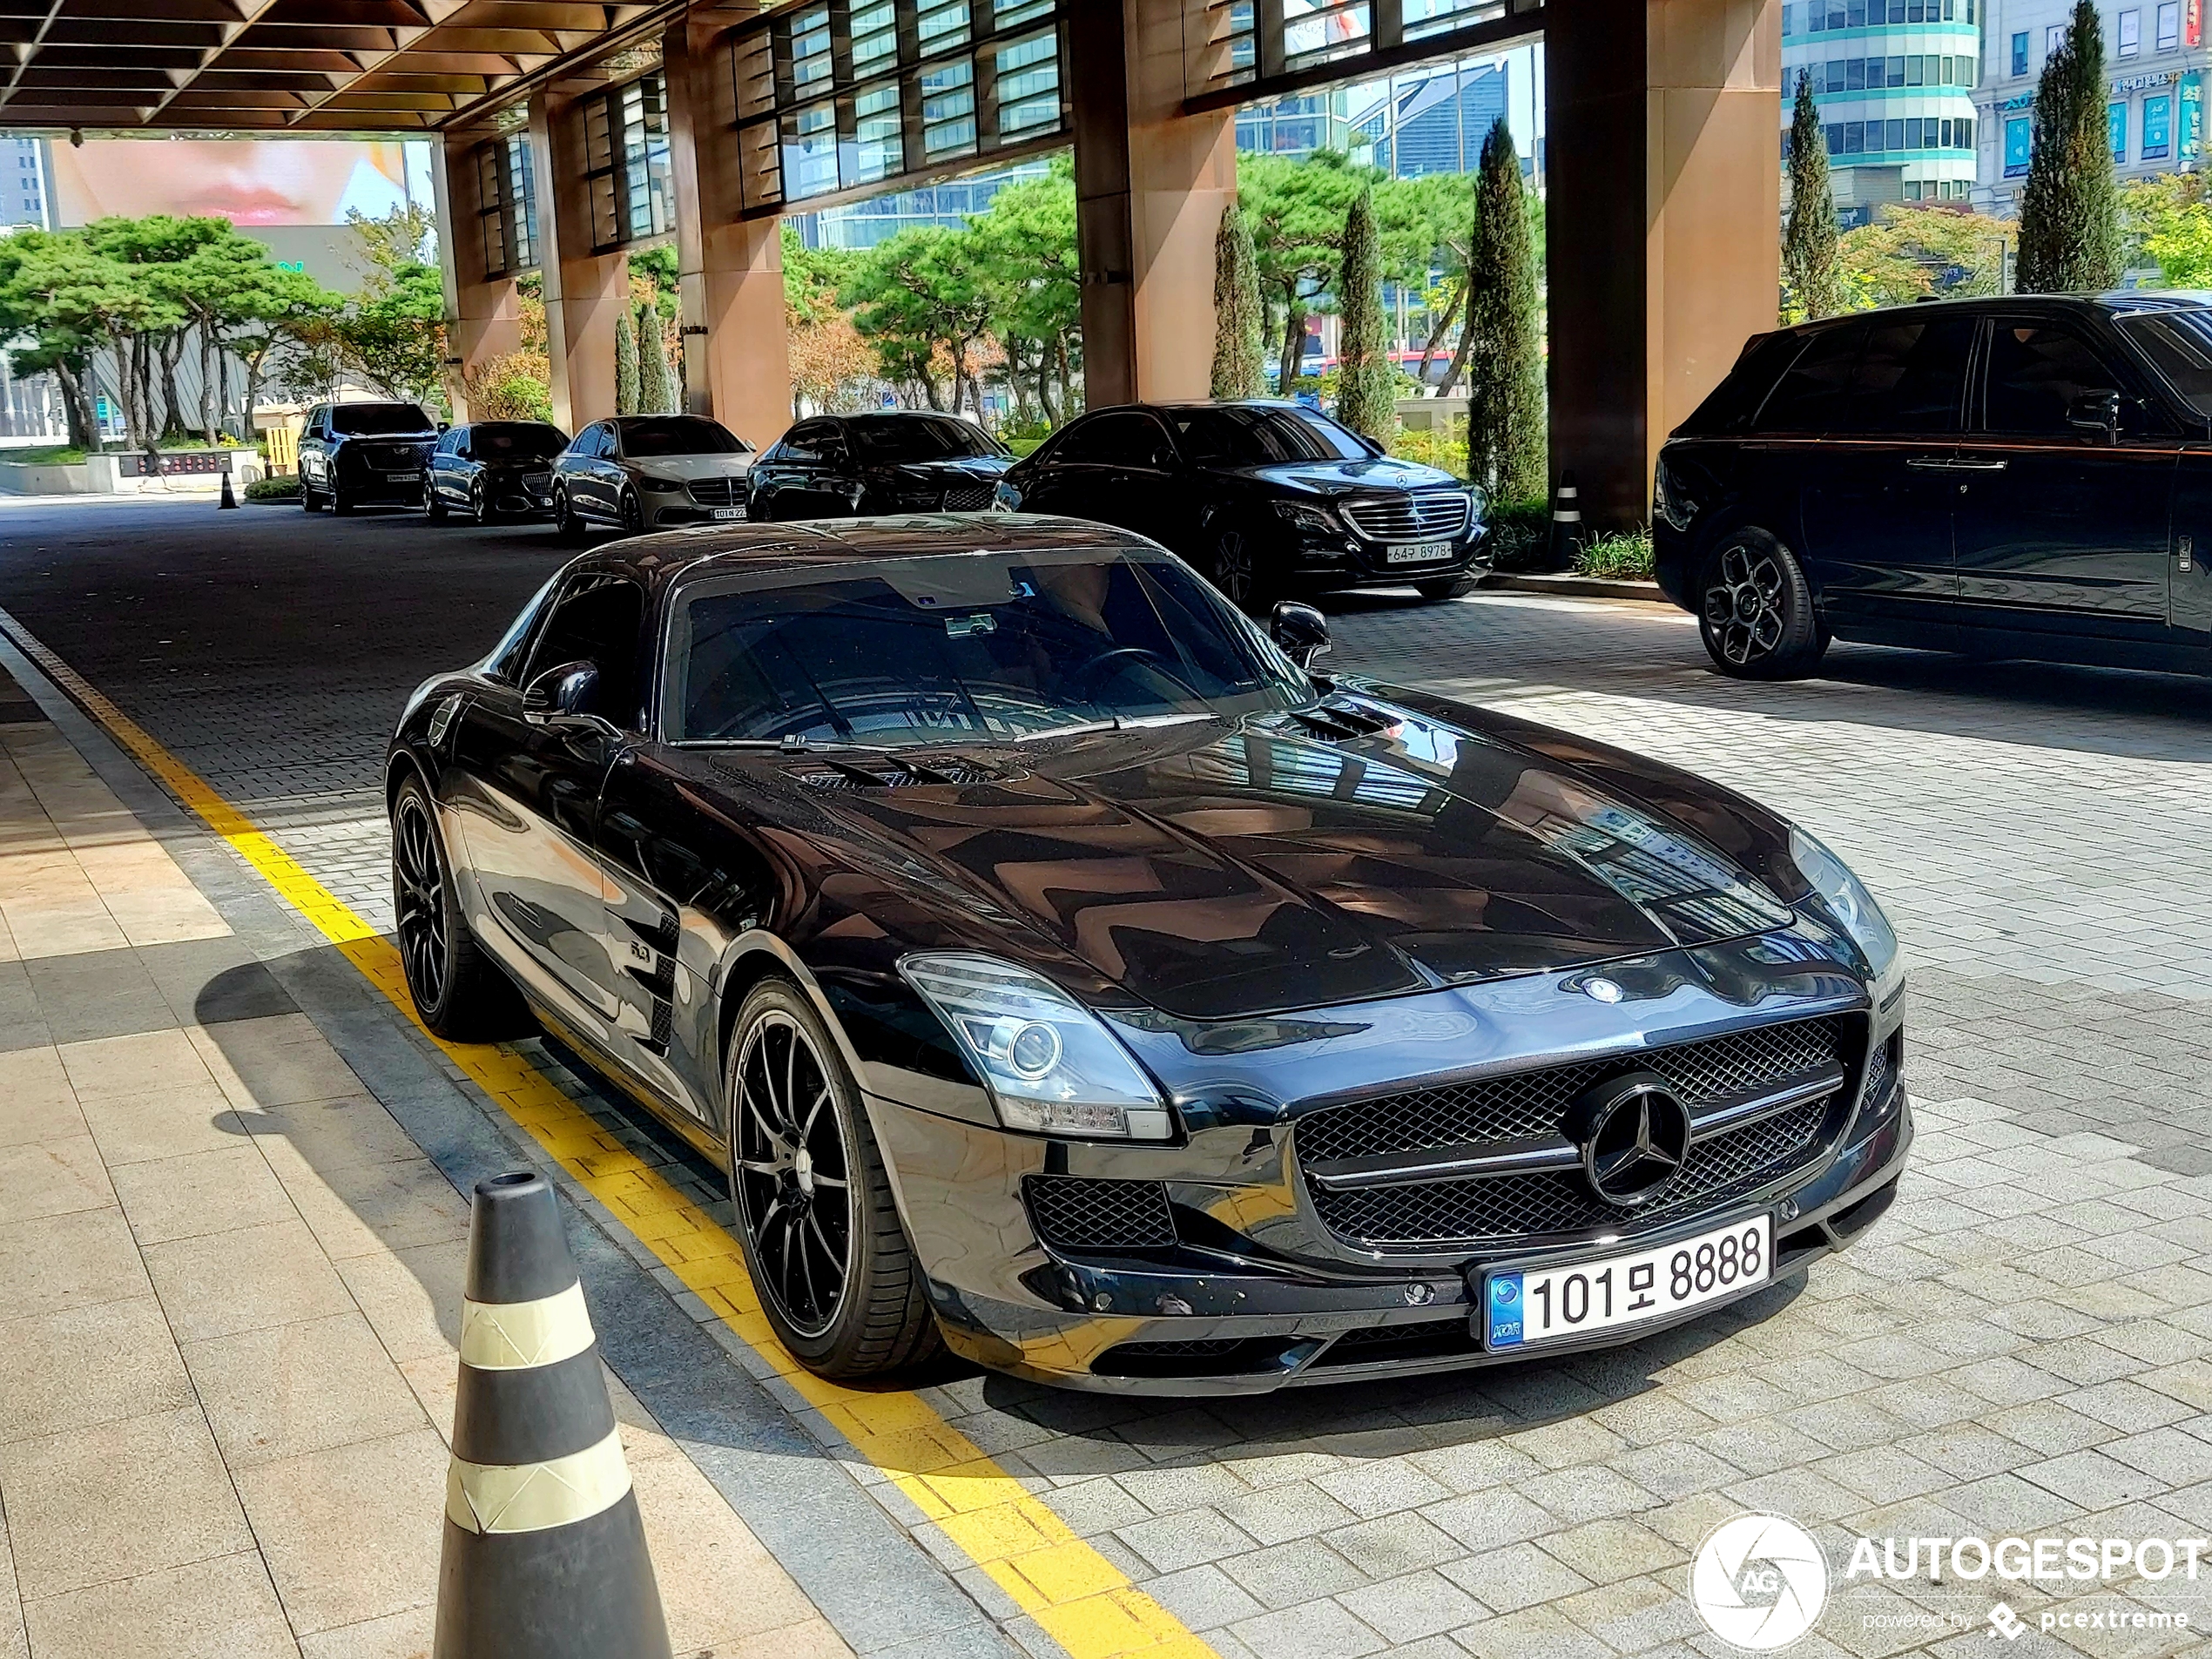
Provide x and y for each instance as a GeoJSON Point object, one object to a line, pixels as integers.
{"type": "Point", "coordinates": [483, 312]}
{"type": "Point", "coordinates": [585, 292]}
{"type": "Point", "coordinates": [737, 348]}
{"type": "Point", "coordinates": [1150, 183]}
{"type": "Point", "coordinates": [1664, 237]}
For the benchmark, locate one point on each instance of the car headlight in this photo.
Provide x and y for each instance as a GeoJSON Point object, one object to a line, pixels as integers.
{"type": "Point", "coordinates": [1478, 501]}
{"type": "Point", "coordinates": [666, 486]}
{"type": "Point", "coordinates": [1306, 517]}
{"type": "Point", "coordinates": [1667, 503]}
{"type": "Point", "coordinates": [1846, 896]}
{"type": "Point", "coordinates": [1050, 1065]}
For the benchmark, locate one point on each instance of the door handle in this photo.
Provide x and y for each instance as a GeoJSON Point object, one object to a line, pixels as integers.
{"type": "Point", "coordinates": [1980, 466]}
{"type": "Point", "coordinates": [1929, 464]}
{"type": "Point", "coordinates": [1942, 463]}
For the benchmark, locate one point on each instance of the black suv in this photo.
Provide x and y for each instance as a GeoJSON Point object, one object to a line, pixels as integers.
{"type": "Point", "coordinates": [2007, 477]}
{"type": "Point", "coordinates": [364, 454]}
{"type": "Point", "coordinates": [1268, 499]}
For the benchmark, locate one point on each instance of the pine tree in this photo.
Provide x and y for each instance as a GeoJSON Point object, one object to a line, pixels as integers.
{"type": "Point", "coordinates": [625, 364]}
{"type": "Point", "coordinates": [2069, 222]}
{"type": "Point", "coordinates": [1505, 367]}
{"type": "Point", "coordinates": [1809, 274]}
{"type": "Point", "coordinates": [1365, 381]}
{"type": "Point", "coordinates": [655, 385]}
{"type": "Point", "coordinates": [1237, 349]}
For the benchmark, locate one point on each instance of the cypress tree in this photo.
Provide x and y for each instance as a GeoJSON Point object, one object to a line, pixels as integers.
{"type": "Point", "coordinates": [1808, 244]}
{"type": "Point", "coordinates": [1505, 367]}
{"type": "Point", "coordinates": [1238, 350]}
{"type": "Point", "coordinates": [655, 385]}
{"type": "Point", "coordinates": [2069, 222]}
{"type": "Point", "coordinates": [1365, 381]}
{"type": "Point", "coordinates": [625, 364]}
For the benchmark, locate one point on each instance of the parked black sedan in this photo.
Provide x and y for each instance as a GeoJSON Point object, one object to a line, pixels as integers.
{"type": "Point", "coordinates": [363, 454]}
{"type": "Point", "coordinates": [1268, 499]}
{"type": "Point", "coordinates": [493, 470]}
{"type": "Point", "coordinates": [2025, 476]}
{"type": "Point", "coordinates": [842, 465]}
{"type": "Point", "coordinates": [1063, 967]}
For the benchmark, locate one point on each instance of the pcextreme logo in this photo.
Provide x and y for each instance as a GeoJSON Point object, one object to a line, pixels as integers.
{"type": "Point", "coordinates": [1759, 1583]}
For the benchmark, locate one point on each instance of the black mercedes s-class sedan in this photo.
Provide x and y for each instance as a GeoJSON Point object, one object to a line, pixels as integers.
{"type": "Point", "coordinates": [2028, 477]}
{"type": "Point", "coordinates": [1270, 500]}
{"type": "Point", "coordinates": [844, 466]}
{"type": "Point", "coordinates": [1064, 969]}
{"type": "Point", "coordinates": [492, 469]}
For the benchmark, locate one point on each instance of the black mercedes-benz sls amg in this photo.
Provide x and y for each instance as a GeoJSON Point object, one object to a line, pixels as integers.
{"type": "Point", "coordinates": [1067, 970]}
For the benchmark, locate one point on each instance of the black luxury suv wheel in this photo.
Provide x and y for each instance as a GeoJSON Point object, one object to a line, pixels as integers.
{"type": "Point", "coordinates": [814, 1210]}
{"type": "Point", "coordinates": [1756, 612]}
{"type": "Point", "coordinates": [459, 991]}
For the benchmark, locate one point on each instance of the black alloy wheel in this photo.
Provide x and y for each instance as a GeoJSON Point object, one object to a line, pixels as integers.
{"type": "Point", "coordinates": [814, 1211]}
{"type": "Point", "coordinates": [478, 502]}
{"type": "Point", "coordinates": [1755, 612]}
{"type": "Point", "coordinates": [459, 991]}
{"type": "Point", "coordinates": [433, 504]}
{"type": "Point", "coordinates": [1231, 572]}
{"type": "Point", "coordinates": [632, 514]}
{"type": "Point", "coordinates": [566, 524]}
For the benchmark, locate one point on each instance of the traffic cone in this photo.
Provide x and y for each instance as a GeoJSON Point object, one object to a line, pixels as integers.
{"type": "Point", "coordinates": [544, 1553]}
{"type": "Point", "coordinates": [1567, 523]}
{"type": "Point", "coordinates": [229, 499]}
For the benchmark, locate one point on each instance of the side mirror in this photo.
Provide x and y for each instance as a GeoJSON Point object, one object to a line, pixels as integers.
{"type": "Point", "coordinates": [1165, 460]}
{"type": "Point", "coordinates": [1301, 632]}
{"type": "Point", "coordinates": [2097, 412]}
{"type": "Point", "coordinates": [445, 426]}
{"type": "Point", "coordinates": [563, 693]}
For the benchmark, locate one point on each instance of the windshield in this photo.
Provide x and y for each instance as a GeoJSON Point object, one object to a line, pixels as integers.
{"type": "Point", "coordinates": [962, 647]}
{"type": "Point", "coordinates": [2180, 343]}
{"type": "Point", "coordinates": [1253, 435]}
{"type": "Point", "coordinates": [918, 437]}
{"type": "Point", "coordinates": [677, 434]}
{"type": "Point", "coordinates": [360, 418]}
{"type": "Point", "coordinates": [518, 439]}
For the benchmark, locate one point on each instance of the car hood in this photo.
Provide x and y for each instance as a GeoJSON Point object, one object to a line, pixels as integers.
{"type": "Point", "coordinates": [690, 467]}
{"type": "Point", "coordinates": [1337, 477]}
{"type": "Point", "coordinates": [1228, 868]}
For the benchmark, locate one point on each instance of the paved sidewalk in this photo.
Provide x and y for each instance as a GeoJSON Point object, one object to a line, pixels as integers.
{"type": "Point", "coordinates": [230, 1289]}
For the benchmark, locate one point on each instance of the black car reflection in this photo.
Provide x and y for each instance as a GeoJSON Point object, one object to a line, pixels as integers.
{"type": "Point", "coordinates": [1219, 1023]}
{"type": "Point", "coordinates": [493, 470]}
{"type": "Point", "coordinates": [2022, 477]}
{"type": "Point", "coordinates": [841, 466]}
{"type": "Point", "coordinates": [1268, 499]}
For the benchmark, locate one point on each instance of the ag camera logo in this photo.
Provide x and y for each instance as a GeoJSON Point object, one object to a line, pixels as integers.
{"type": "Point", "coordinates": [1759, 1583]}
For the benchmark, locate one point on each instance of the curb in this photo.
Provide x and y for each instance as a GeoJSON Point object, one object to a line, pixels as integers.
{"type": "Point", "coordinates": [1577, 587]}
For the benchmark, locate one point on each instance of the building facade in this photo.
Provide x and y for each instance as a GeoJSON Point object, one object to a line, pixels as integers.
{"type": "Point", "coordinates": [1894, 81]}
{"type": "Point", "coordinates": [2156, 56]}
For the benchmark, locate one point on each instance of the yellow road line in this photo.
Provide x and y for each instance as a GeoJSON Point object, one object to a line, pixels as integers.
{"type": "Point", "coordinates": [1082, 1600]}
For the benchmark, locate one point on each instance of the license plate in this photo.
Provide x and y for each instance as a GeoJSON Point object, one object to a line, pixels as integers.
{"type": "Point", "coordinates": [1417, 553]}
{"type": "Point", "coordinates": [1520, 1310]}
{"type": "Point", "coordinates": [729, 512]}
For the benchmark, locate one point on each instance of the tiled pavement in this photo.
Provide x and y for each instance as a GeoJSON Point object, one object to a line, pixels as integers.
{"type": "Point", "coordinates": [2019, 1346]}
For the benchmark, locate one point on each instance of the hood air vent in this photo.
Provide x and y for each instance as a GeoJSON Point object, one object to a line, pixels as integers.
{"type": "Point", "coordinates": [1335, 722]}
{"type": "Point", "coordinates": [885, 772]}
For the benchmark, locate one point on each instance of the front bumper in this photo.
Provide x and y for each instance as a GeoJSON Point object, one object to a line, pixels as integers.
{"type": "Point", "coordinates": [1348, 558]}
{"type": "Point", "coordinates": [374, 487]}
{"type": "Point", "coordinates": [1219, 1313]}
{"type": "Point", "coordinates": [674, 512]}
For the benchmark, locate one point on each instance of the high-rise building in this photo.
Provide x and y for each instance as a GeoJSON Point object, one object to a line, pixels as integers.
{"type": "Point", "coordinates": [1894, 81]}
{"type": "Point", "coordinates": [864, 224]}
{"type": "Point", "coordinates": [1298, 126]}
{"type": "Point", "coordinates": [23, 188]}
{"type": "Point", "coordinates": [2156, 57]}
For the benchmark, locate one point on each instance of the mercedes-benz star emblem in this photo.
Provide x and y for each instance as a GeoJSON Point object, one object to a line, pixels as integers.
{"type": "Point", "coordinates": [1634, 1133]}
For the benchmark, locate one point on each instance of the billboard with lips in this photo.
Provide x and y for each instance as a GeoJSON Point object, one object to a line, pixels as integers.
{"type": "Point", "coordinates": [252, 182]}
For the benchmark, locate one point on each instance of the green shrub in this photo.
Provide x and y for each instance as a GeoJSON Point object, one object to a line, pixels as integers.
{"type": "Point", "coordinates": [1520, 534]}
{"type": "Point", "coordinates": [1024, 446]}
{"type": "Point", "coordinates": [1622, 556]}
{"type": "Point", "coordinates": [58, 455]}
{"type": "Point", "coordinates": [1445, 446]}
{"type": "Point", "coordinates": [284, 486]}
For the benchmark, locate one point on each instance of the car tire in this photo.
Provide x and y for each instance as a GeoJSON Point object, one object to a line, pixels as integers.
{"type": "Point", "coordinates": [1233, 568]}
{"type": "Point", "coordinates": [340, 506]}
{"type": "Point", "coordinates": [795, 1110]}
{"type": "Point", "coordinates": [566, 524]}
{"type": "Point", "coordinates": [630, 514]}
{"type": "Point", "coordinates": [480, 512]}
{"type": "Point", "coordinates": [1756, 612]}
{"type": "Point", "coordinates": [460, 994]}
{"type": "Point", "coordinates": [1437, 589]}
{"type": "Point", "coordinates": [433, 504]}
{"type": "Point", "coordinates": [309, 502]}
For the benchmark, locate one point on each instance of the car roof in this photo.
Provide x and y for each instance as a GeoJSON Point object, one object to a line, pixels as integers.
{"type": "Point", "coordinates": [683, 556]}
{"type": "Point", "coordinates": [2119, 302]}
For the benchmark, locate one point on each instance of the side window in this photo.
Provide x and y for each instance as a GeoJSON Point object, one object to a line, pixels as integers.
{"type": "Point", "coordinates": [598, 618]}
{"type": "Point", "coordinates": [804, 441]}
{"type": "Point", "coordinates": [1121, 440]}
{"type": "Point", "coordinates": [593, 442]}
{"type": "Point", "coordinates": [506, 659]}
{"type": "Point", "coordinates": [1911, 377]}
{"type": "Point", "coordinates": [1813, 394]}
{"type": "Point", "coordinates": [2036, 371]}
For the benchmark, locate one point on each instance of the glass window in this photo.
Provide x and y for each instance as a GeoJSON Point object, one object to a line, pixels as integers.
{"type": "Point", "coordinates": [2180, 343]}
{"type": "Point", "coordinates": [516, 440]}
{"type": "Point", "coordinates": [949, 109]}
{"type": "Point", "coordinates": [2020, 53]}
{"type": "Point", "coordinates": [506, 659]}
{"type": "Point", "coordinates": [878, 147]}
{"type": "Point", "coordinates": [645, 155]}
{"type": "Point", "coordinates": [1254, 435]}
{"type": "Point", "coordinates": [1813, 394]}
{"type": "Point", "coordinates": [2158, 127]}
{"type": "Point", "coordinates": [2169, 26]}
{"type": "Point", "coordinates": [2036, 371]}
{"type": "Point", "coordinates": [2117, 128]}
{"type": "Point", "coordinates": [1916, 71]}
{"type": "Point", "coordinates": [597, 620]}
{"type": "Point", "coordinates": [894, 438]}
{"type": "Point", "coordinates": [810, 151]}
{"type": "Point", "coordinates": [1893, 72]}
{"type": "Point", "coordinates": [1854, 138]}
{"type": "Point", "coordinates": [2052, 34]}
{"type": "Point", "coordinates": [1028, 84]}
{"type": "Point", "coordinates": [1893, 133]}
{"type": "Point", "coordinates": [939, 24]}
{"type": "Point", "coordinates": [522, 200]}
{"type": "Point", "coordinates": [648, 436]}
{"type": "Point", "coordinates": [1909, 377]}
{"type": "Point", "coordinates": [810, 50]}
{"type": "Point", "coordinates": [996, 647]}
{"type": "Point", "coordinates": [1123, 439]}
{"type": "Point", "coordinates": [875, 38]}
{"type": "Point", "coordinates": [374, 420]}
{"type": "Point", "coordinates": [2130, 33]}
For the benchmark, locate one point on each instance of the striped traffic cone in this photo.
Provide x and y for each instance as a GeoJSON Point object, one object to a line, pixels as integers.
{"type": "Point", "coordinates": [544, 1553]}
{"type": "Point", "coordinates": [229, 499]}
{"type": "Point", "coordinates": [1567, 523]}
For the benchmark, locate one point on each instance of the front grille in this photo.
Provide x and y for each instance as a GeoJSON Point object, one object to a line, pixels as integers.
{"type": "Point", "coordinates": [1523, 1104]}
{"type": "Point", "coordinates": [1532, 1104]}
{"type": "Point", "coordinates": [392, 458]}
{"type": "Point", "coordinates": [1398, 516]}
{"type": "Point", "coordinates": [719, 492]}
{"type": "Point", "coordinates": [969, 498]}
{"type": "Point", "coordinates": [1074, 1213]}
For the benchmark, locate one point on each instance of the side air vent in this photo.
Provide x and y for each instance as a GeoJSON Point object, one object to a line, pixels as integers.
{"type": "Point", "coordinates": [1071, 1213]}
